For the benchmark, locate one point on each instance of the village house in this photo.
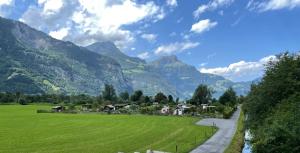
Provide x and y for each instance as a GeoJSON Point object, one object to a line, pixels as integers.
{"type": "Point", "coordinates": [207, 107]}
{"type": "Point", "coordinates": [109, 108]}
{"type": "Point", "coordinates": [180, 109]}
{"type": "Point", "coordinates": [120, 106]}
{"type": "Point", "coordinates": [58, 108]}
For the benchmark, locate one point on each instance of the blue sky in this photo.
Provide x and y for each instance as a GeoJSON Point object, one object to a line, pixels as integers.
{"type": "Point", "coordinates": [232, 38]}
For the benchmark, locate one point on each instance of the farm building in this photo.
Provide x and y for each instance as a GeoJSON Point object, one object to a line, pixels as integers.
{"type": "Point", "coordinates": [109, 108]}
{"type": "Point", "coordinates": [120, 106]}
{"type": "Point", "coordinates": [58, 108]}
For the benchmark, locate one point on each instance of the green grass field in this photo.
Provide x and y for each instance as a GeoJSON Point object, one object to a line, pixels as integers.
{"type": "Point", "coordinates": [22, 130]}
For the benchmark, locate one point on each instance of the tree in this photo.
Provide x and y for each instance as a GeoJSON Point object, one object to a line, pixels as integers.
{"type": "Point", "coordinates": [202, 95]}
{"type": "Point", "coordinates": [137, 96]}
{"type": "Point", "coordinates": [109, 93]}
{"type": "Point", "coordinates": [160, 98]}
{"type": "Point", "coordinates": [147, 99]}
{"type": "Point", "coordinates": [124, 96]}
{"type": "Point", "coordinates": [272, 107]}
{"type": "Point", "coordinates": [229, 97]}
{"type": "Point", "coordinates": [170, 99]}
{"type": "Point", "coordinates": [177, 100]}
{"type": "Point", "coordinates": [22, 101]}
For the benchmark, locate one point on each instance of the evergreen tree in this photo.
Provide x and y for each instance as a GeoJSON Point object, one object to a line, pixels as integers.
{"type": "Point", "coordinates": [136, 96]}
{"type": "Point", "coordinates": [109, 93]}
{"type": "Point", "coordinates": [170, 99]}
{"type": "Point", "coordinates": [147, 99]}
{"type": "Point", "coordinates": [160, 98]}
{"type": "Point", "coordinates": [229, 97]}
{"type": "Point", "coordinates": [202, 95]}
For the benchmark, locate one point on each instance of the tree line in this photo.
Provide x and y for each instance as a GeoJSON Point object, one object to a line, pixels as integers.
{"type": "Point", "coordinates": [202, 95]}
{"type": "Point", "coordinates": [273, 107]}
{"type": "Point", "coordinates": [107, 96]}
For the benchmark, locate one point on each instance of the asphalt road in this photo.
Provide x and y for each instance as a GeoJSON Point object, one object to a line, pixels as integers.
{"type": "Point", "coordinates": [222, 138]}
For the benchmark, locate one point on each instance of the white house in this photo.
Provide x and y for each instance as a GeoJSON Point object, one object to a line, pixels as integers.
{"type": "Point", "coordinates": [180, 109]}
{"type": "Point", "coordinates": [206, 107]}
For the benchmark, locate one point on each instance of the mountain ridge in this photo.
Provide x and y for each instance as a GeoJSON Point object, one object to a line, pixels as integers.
{"type": "Point", "coordinates": [51, 65]}
{"type": "Point", "coordinates": [33, 62]}
{"type": "Point", "coordinates": [177, 75]}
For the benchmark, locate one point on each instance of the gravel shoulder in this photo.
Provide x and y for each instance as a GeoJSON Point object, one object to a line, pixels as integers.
{"type": "Point", "coordinates": [222, 138]}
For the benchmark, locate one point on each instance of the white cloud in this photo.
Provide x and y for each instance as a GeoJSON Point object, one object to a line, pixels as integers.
{"type": "Point", "coordinates": [143, 55]}
{"type": "Point", "coordinates": [51, 6]}
{"type": "Point", "coordinates": [175, 48]}
{"type": "Point", "coordinates": [203, 25]}
{"type": "Point", "coordinates": [210, 6]}
{"type": "Point", "coordinates": [5, 7]}
{"type": "Point", "coordinates": [59, 34]}
{"type": "Point", "coordinates": [149, 37]}
{"type": "Point", "coordinates": [272, 5]}
{"type": "Point", "coordinates": [5, 2]}
{"type": "Point", "coordinates": [172, 3]}
{"type": "Point", "coordinates": [92, 20]}
{"type": "Point", "coordinates": [242, 70]}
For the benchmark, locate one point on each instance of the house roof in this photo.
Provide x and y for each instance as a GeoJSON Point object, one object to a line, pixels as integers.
{"type": "Point", "coordinates": [55, 107]}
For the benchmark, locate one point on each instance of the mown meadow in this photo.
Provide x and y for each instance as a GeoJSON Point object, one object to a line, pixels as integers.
{"type": "Point", "coordinates": [24, 130]}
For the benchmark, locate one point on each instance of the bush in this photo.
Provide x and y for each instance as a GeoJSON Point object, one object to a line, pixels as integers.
{"type": "Point", "coordinates": [151, 110]}
{"type": "Point", "coordinates": [219, 107]}
{"type": "Point", "coordinates": [23, 102]}
{"type": "Point", "coordinates": [43, 111]}
{"type": "Point", "coordinates": [228, 111]}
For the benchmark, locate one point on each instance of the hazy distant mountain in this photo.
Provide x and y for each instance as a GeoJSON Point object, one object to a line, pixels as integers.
{"type": "Point", "coordinates": [167, 74]}
{"type": "Point", "coordinates": [136, 70]}
{"type": "Point", "coordinates": [33, 62]}
{"type": "Point", "coordinates": [186, 77]}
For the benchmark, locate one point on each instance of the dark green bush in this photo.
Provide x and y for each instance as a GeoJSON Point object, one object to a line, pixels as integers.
{"type": "Point", "coordinates": [43, 111]}
{"type": "Point", "coordinates": [228, 111]}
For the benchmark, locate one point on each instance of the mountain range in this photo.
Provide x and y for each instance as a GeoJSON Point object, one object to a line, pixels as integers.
{"type": "Point", "coordinates": [35, 63]}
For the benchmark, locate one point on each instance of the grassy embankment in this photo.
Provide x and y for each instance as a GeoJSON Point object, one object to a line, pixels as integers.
{"type": "Point", "coordinates": [24, 130]}
{"type": "Point", "coordinates": [237, 142]}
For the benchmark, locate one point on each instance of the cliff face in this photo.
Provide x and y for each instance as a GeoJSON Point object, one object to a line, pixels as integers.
{"type": "Point", "coordinates": [33, 62]}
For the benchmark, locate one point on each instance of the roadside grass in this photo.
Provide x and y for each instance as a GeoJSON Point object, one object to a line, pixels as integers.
{"type": "Point", "coordinates": [24, 130]}
{"type": "Point", "coordinates": [237, 142]}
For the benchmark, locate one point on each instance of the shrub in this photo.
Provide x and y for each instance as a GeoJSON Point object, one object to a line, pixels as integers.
{"type": "Point", "coordinates": [228, 111]}
{"type": "Point", "coordinates": [43, 111]}
{"type": "Point", "coordinates": [23, 102]}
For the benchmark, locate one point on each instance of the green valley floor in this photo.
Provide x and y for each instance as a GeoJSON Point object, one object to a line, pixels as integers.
{"type": "Point", "coordinates": [24, 130]}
